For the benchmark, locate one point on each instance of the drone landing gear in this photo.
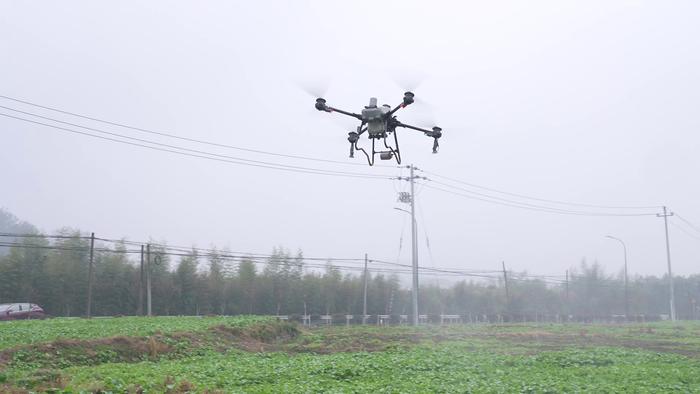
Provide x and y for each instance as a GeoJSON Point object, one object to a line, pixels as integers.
{"type": "Point", "coordinates": [388, 154]}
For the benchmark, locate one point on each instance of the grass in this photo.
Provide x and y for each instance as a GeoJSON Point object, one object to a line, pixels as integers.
{"type": "Point", "coordinates": [422, 369]}
{"type": "Point", "coordinates": [23, 332]}
{"type": "Point", "coordinates": [261, 356]}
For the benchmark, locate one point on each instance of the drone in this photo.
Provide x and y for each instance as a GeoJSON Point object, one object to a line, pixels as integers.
{"type": "Point", "coordinates": [379, 123]}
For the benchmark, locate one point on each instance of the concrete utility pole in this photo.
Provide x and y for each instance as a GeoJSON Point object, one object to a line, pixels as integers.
{"type": "Point", "coordinates": [364, 294]}
{"type": "Point", "coordinates": [139, 310]}
{"type": "Point", "coordinates": [505, 283]}
{"type": "Point", "coordinates": [627, 299]}
{"type": "Point", "coordinates": [90, 275]}
{"type": "Point", "coordinates": [414, 236]}
{"type": "Point", "coordinates": [672, 296]}
{"type": "Point", "coordinates": [148, 280]}
{"type": "Point", "coordinates": [568, 306]}
{"type": "Point", "coordinates": [415, 248]}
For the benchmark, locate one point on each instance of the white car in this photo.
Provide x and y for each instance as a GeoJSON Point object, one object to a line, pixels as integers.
{"type": "Point", "coordinates": [21, 311]}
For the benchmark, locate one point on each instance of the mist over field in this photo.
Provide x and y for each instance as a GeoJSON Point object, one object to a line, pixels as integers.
{"type": "Point", "coordinates": [308, 196]}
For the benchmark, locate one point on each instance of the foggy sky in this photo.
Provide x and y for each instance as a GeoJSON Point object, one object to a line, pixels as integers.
{"type": "Point", "coordinates": [589, 102]}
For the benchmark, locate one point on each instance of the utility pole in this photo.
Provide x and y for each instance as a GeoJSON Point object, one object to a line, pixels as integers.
{"type": "Point", "coordinates": [672, 297]}
{"type": "Point", "coordinates": [391, 301]}
{"type": "Point", "coordinates": [364, 294]}
{"type": "Point", "coordinates": [568, 306]}
{"type": "Point", "coordinates": [414, 236]}
{"type": "Point", "coordinates": [90, 275]}
{"type": "Point", "coordinates": [415, 248]}
{"type": "Point", "coordinates": [139, 310]}
{"type": "Point", "coordinates": [148, 279]}
{"type": "Point", "coordinates": [505, 283]}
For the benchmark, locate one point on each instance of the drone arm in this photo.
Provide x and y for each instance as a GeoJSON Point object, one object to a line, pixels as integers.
{"type": "Point", "coordinates": [340, 111]}
{"type": "Point", "coordinates": [398, 107]}
{"type": "Point", "coordinates": [408, 99]}
{"type": "Point", "coordinates": [321, 106]}
{"type": "Point", "coordinates": [408, 126]}
{"type": "Point", "coordinates": [436, 133]}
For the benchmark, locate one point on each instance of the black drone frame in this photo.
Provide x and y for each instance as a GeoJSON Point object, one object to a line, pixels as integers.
{"type": "Point", "coordinates": [391, 124]}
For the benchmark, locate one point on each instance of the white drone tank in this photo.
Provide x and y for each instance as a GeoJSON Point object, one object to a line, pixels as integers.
{"type": "Point", "coordinates": [374, 116]}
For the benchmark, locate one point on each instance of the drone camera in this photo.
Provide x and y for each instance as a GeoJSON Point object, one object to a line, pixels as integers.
{"type": "Point", "coordinates": [408, 98]}
{"type": "Point", "coordinates": [321, 104]}
{"type": "Point", "coordinates": [386, 155]}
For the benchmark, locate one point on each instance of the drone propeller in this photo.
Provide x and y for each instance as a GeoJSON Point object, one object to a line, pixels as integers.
{"type": "Point", "coordinates": [420, 116]}
{"type": "Point", "coordinates": [409, 81]}
{"type": "Point", "coordinates": [315, 87]}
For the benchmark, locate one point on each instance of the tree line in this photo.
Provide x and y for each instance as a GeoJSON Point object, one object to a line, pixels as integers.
{"type": "Point", "coordinates": [53, 272]}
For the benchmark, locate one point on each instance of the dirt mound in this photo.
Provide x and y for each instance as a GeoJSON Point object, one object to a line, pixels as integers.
{"type": "Point", "coordinates": [259, 337]}
{"type": "Point", "coordinates": [70, 352]}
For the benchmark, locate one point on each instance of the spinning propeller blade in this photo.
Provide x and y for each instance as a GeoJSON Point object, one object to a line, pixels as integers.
{"type": "Point", "coordinates": [317, 87]}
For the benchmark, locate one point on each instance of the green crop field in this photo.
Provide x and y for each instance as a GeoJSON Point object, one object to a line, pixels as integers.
{"type": "Point", "coordinates": [252, 354]}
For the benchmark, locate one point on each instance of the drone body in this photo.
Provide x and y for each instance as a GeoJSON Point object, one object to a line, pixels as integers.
{"type": "Point", "coordinates": [379, 122]}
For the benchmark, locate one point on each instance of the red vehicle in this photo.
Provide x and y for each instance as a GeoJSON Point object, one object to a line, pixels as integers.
{"type": "Point", "coordinates": [21, 311]}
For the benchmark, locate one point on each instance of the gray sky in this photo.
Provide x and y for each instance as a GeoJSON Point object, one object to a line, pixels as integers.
{"type": "Point", "coordinates": [590, 102]}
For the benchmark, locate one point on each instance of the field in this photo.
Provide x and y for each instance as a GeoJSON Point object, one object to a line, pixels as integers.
{"type": "Point", "coordinates": [253, 354]}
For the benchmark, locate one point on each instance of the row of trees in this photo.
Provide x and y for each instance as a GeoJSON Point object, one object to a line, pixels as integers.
{"type": "Point", "coordinates": [54, 274]}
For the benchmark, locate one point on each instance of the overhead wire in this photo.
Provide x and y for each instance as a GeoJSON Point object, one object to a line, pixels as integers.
{"type": "Point", "coordinates": [540, 199]}
{"type": "Point", "coordinates": [269, 259]}
{"type": "Point", "coordinates": [209, 251]}
{"type": "Point", "coordinates": [403, 268]}
{"type": "Point", "coordinates": [170, 135]}
{"type": "Point", "coordinates": [53, 247]}
{"type": "Point", "coordinates": [686, 232]}
{"type": "Point", "coordinates": [532, 207]}
{"type": "Point", "coordinates": [162, 144]}
{"type": "Point", "coordinates": [3, 234]}
{"type": "Point", "coordinates": [212, 156]}
{"type": "Point", "coordinates": [241, 259]}
{"type": "Point", "coordinates": [687, 222]}
{"type": "Point", "coordinates": [302, 169]}
{"type": "Point", "coordinates": [187, 251]}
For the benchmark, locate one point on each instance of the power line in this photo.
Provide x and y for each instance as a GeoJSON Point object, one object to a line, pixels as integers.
{"type": "Point", "coordinates": [41, 236]}
{"type": "Point", "coordinates": [169, 135]}
{"type": "Point", "coordinates": [404, 268]}
{"type": "Point", "coordinates": [247, 162]}
{"type": "Point", "coordinates": [532, 207]}
{"type": "Point", "coordinates": [540, 199]}
{"type": "Point", "coordinates": [186, 250]}
{"type": "Point", "coordinates": [688, 233]}
{"type": "Point", "coordinates": [53, 247]}
{"type": "Point", "coordinates": [220, 252]}
{"type": "Point", "coordinates": [269, 259]}
{"type": "Point", "coordinates": [159, 143]}
{"type": "Point", "coordinates": [281, 260]}
{"type": "Point", "coordinates": [241, 259]}
{"type": "Point", "coordinates": [691, 225]}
